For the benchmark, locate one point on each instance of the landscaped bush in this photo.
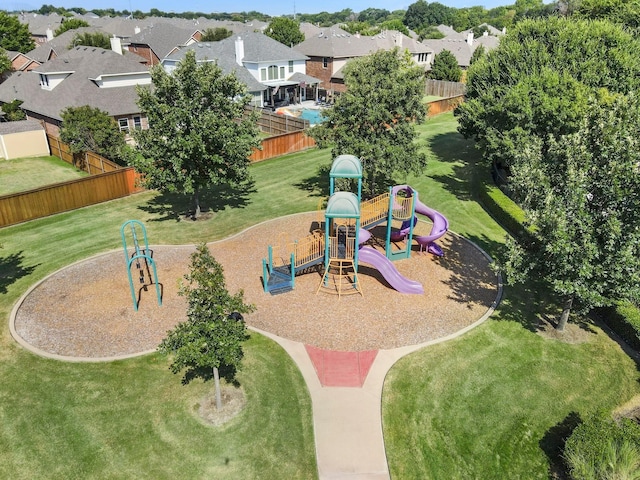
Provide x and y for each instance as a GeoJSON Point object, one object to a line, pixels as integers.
{"type": "Point", "coordinates": [501, 207]}
{"type": "Point", "coordinates": [603, 448]}
{"type": "Point", "coordinates": [624, 319]}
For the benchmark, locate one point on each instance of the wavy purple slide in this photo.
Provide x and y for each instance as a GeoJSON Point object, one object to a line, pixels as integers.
{"type": "Point", "coordinates": [439, 228]}
{"type": "Point", "coordinates": [388, 270]}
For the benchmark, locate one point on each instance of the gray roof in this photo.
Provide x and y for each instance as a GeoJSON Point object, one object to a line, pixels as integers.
{"type": "Point", "coordinates": [20, 126]}
{"type": "Point", "coordinates": [77, 89]}
{"type": "Point", "coordinates": [458, 47]}
{"type": "Point", "coordinates": [38, 24]}
{"type": "Point", "coordinates": [58, 45]}
{"type": "Point", "coordinates": [163, 38]}
{"type": "Point", "coordinates": [333, 44]}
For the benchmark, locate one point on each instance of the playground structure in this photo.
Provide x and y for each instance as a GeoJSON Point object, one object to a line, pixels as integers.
{"type": "Point", "coordinates": [342, 244]}
{"type": "Point", "coordinates": [142, 257]}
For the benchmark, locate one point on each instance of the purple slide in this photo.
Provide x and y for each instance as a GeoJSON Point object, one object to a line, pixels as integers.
{"type": "Point", "coordinates": [439, 228]}
{"type": "Point", "coordinates": [377, 260]}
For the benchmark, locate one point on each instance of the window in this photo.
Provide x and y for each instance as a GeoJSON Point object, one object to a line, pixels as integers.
{"type": "Point", "coordinates": [282, 74]}
{"type": "Point", "coordinates": [124, 124]}
{"type": "Point", "coordinates": [273, 72]}
{"type": "Point", "coordinates": [325, 62]}
{"type": "Point", "coordinates": [44, 80]}
{"type": "Point", "coordinates": [137, 123]}
{"type": "Point", "coordinates": [263, 74]}
{"type": "Point", "coordinates": [290, 66]}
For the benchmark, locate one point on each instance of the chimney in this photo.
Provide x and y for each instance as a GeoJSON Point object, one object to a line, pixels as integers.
{"type": "Point", "coordinates": [485, 33]}
{"type": "Point", "coordinates": [470, 38]}
{"type": "Point", "coordinates": [357, 35]}
{"type": "Point", "coordinates": [136, 30]}
{"type": "Point", "coordinates": [239, 50]}
{"type": "Point", "coordinates": [398, 40]}
{"type": "Point", "coordinates": [116, 45]}
{"type": "Point", "coordinates": [49, 34]}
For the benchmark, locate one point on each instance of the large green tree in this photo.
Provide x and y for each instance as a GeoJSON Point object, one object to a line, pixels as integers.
{"type": "Point", "coordinates": [445, 67]}
{"type": "Point", "coordinates": [14, 35]}
{"type": "Point", "coordinates": [624, 12]}
{"type": "Point", "coordinates": [215, 34]}
{"type": "Point", "coordinates": [416, 15]}
{"type": "Point", "coordinates": [582, 203]}
{"type": "Point", "coordinates": [285, 30]}
{"type": "Point", "coordinates": [537, 81]}
{"type": "Point", "coordinates": [375, 118]}
{"type": "Point", "coordinates": [199, 132]}
{"type": "Point", "coordinates": [89, 129]}
{"type": "Point", "coordinates": [211, 338]}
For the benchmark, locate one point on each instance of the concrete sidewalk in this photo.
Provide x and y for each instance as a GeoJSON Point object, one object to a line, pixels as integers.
{"type": "Point", "coordinates": [347, 421]}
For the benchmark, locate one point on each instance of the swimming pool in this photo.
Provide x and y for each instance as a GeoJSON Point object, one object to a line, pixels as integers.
{"type": "Point", "coordinates": [311, 114]}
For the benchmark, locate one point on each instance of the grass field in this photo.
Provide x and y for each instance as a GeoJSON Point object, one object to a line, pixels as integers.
{"type": "Point", "coordinates": [488, 405]}
{"type": "Point", "coordinates": [28, 173]}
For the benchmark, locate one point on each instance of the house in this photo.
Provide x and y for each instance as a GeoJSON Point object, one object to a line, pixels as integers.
{"type": "Point", "coordinates": [331, 49]}
{"type": "Point", "coordinates": [81, 76]}
{"type": "Point", "coordinates": [19, 62]}
{"type": "Point", "coordinates": [160, 40]}
{"type": "Point", "coordinates": [463, 44]}
{"type": "Point", "coordinates": [274, 73]}
{"type": "Point", "coordinates": [58, 45]}
{"type": "Point", "coordinates": [41, 27]}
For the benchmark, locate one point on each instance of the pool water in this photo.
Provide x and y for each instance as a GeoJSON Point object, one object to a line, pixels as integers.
{"type": "Point", "coordinates": [311, 114]}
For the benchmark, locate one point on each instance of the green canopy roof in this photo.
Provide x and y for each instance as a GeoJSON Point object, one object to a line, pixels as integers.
{"type": "Point", "coordinates": [346, 166]}
{"type": "Point", "coordinates": [343, 205]}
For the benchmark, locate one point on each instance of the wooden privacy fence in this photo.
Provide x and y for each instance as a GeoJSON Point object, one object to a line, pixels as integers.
{"type": "Point", "coordinates": [442, 88]}
{"type": "Point", "coordinates": [65, 196]}
{"type": "Point", "coordinates": [281, 145]}
{"type": "Point", "coordinates": [444, 105]}
{"type": "Point", "coordinates": [270, 122]}
{"type": "Point", "coordinates": [90, 162]}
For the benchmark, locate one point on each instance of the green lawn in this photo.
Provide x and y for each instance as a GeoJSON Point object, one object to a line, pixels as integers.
{"type": "Point", "coordinates": [28, 173]}
{"type": "Point", "coordinates": [476, 407]}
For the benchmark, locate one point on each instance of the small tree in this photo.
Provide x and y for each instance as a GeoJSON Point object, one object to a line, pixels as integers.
{"type": "Point", "coordinates": [14, 35]}
{"type": "Point", "coordinates": [214, 331]}
{"type": "Point", "coordinates": [215, 34]}
{"type": "Point", "coordinates": [477, 54]}
{"type": "Point", "coordinates": [13, 112]}
{"type": "Point", "coordinates": [70, 24]}
{"type": "Point", "coordinates": [375, 118]}
{"type": "Point", "coordinates": [445, 67]}
{"type": "Point", "coordinates": [285, 30]}
{"type": "Point", "coordinates": [88, 39]}
{"type": "Point", "coordinates": [89, 129]}
{"type": "Point", "coordinates": [199, 133]}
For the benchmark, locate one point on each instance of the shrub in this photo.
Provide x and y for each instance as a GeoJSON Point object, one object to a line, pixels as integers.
{"type": "Point", "coordinates": [603, 448]}
{"type": "Point", "coordinates": [624, 319]}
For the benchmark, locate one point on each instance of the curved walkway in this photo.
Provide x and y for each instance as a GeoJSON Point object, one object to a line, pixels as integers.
{"type": "Point", "coordinates": [84, 312]}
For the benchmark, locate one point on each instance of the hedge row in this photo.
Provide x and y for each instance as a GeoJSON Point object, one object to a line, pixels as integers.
{"type": "Point", "coordinates": [623, 317]}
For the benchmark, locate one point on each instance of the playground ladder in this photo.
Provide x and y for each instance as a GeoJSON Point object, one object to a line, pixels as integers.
{"type": "Point", "coordinates": [340, 278]}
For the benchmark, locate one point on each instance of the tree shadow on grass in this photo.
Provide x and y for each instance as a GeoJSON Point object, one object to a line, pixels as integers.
{"type": "Point", "coordinates": [317, 185]}
{"type": "Point", "coordinates": [12, 269]}
{"type": "Point", "coordinates": [553, 442]}
{"type": "Point", "coordinates": [226, 372]}
{"type": "Point", "coordinates": [449, 148]}
{"type": "Point", "coordinates": [177, 207]}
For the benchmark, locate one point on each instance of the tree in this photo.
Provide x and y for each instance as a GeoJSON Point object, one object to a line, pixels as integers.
{"type": "Point", "coordinates": [95, 39]}
{"type": "Point", "coordinates": [14, 35]}
{"type": "Point", "coordinates": [624, 12]}
{"type": "Point", "coordinates": [89, 129]}
{"type": "Point", "coordinates": [285, 30]}
{"type": "Point", "coordinates": [13, 112]}
{"type": "Point", "coordinates": [416, 15]}
{"type": "Point", "coordinates": [215, 34]}
{"type": "Point", "coordinates": [477, 54]}
{"type": "Point", "coordinates": [375, 118]}
{"type": "Point", "coordinates": [445, 67]}
{"type": "Point", "coordinates": [199, 133]}
{"type": "Point", "coordinates": [211, 338]}
{"type": "Point", "coordinates": [536, 83]}
{"type": "Point", "coordinates": [396, 25]}
{"type": "Point", "coordinates": [5, 62]}
{"type": "Point", "coordinates": [70, 24]}
{"type": "Point", "coordinates": [439, 14]}
{"type": "Point", "coordinates": [582, 208]}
